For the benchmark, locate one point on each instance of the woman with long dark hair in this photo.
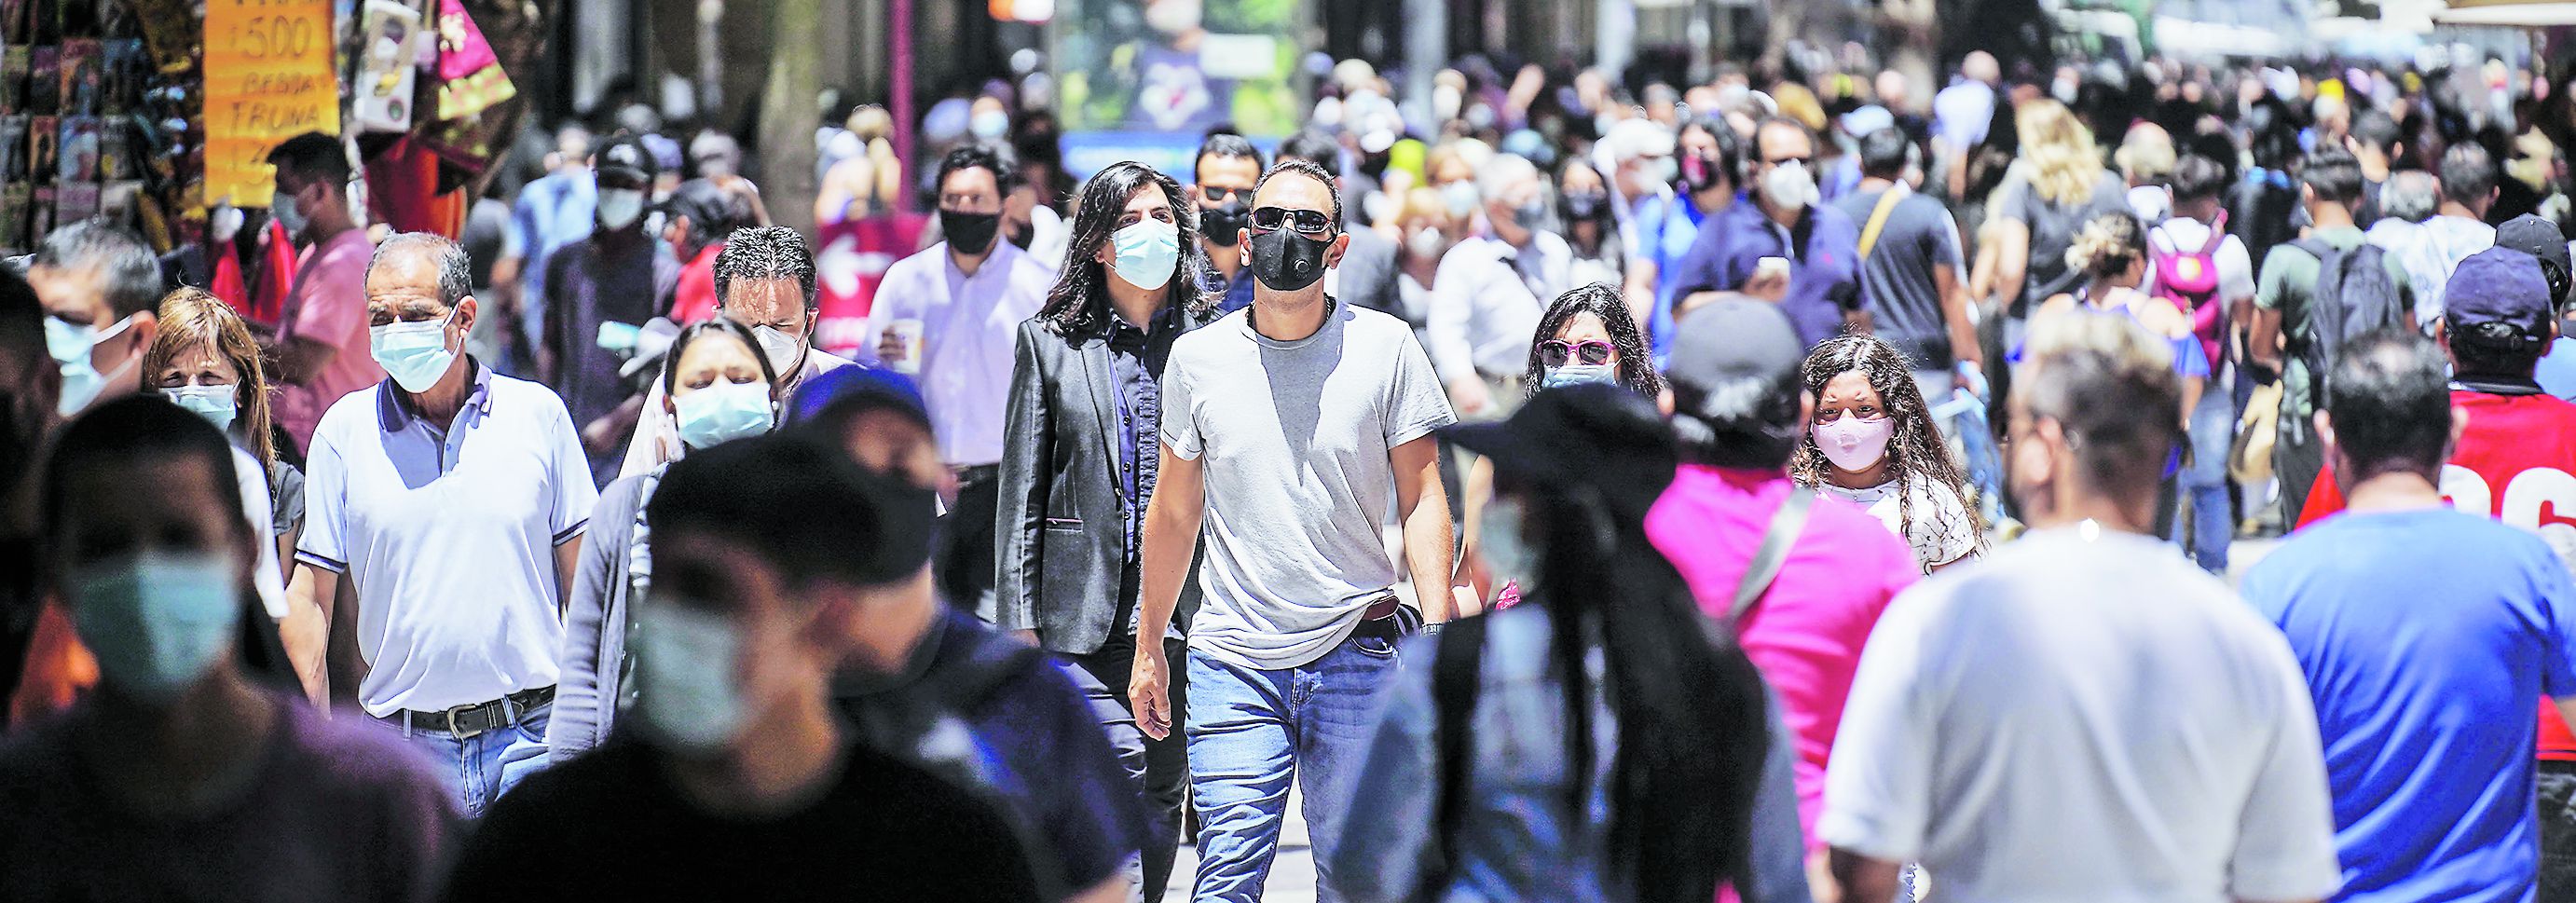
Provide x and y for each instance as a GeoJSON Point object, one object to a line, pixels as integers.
{"type": "Point", "coordinates": [1082, 444]}
{"type": "Point", "coordinates": [1607, 741]}
{"type": "Point", "coordinates": [1872, 442]}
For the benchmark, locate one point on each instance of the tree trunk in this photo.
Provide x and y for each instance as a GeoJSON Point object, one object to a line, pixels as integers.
{"type": "Point", "coordinates": [787, 115]}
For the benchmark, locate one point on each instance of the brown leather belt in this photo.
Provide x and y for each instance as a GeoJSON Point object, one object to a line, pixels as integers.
{"type": "Point", "coordinates": [475, 719]}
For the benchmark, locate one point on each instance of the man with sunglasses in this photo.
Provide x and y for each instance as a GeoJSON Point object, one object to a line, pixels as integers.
{"type": "Point", "coordinates": [1227, 168]}
{"type": "Point", "coordinates": [1741, 251]}
{"type": "Point", "coordinates": [1285, 427]}
{"type": "Point", "coordinates": [1491, 288]}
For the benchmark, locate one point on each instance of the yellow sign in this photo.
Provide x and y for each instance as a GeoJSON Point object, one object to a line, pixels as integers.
{"type": "Point", "coordinates": [268, 78]}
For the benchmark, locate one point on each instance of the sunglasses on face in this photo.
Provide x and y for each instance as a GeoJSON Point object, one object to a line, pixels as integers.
{"type": "Point", "coordinates": [1312, 223]}
{"type": "Point", "coordinates": [1221, 195]}
{"type": "Point", "coordinates": [1558, 352]}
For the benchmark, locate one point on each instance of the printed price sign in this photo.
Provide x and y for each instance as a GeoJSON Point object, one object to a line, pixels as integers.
{"type": "Point", "coordinates": [268, 78]}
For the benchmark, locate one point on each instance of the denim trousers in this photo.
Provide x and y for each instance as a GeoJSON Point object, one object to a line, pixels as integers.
{"type": "Point", "coordinates": [486, 765]}
{"type": "Point", "coordinates": [1251, 731]}
{"type": "Point", "coordinates": [2207, 520]}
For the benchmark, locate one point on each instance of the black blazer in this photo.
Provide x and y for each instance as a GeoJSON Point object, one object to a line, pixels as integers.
{"type": "Point", "coordinates": [1060, 535]}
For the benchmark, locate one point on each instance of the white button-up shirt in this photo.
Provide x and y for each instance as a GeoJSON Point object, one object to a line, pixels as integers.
{"type": "Point", "coordinates": [1486, 301]}
{"type": "Point", "coordinates": [448, 538]}
{"type": "Point", "coordinates": [970, 328]}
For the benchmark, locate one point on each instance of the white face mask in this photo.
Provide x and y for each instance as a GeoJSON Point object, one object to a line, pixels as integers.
{"type": "Point", "coordinates": [785, 352]}
{"type": "Point", "coordinates": [414, 354]}
{"type": "Point", "coordinates": [620, 207]}
{"type": "Point", "coordinates": [687, 675]}
{"type": "Point", "coordinates": [71, 347]}
{"type": "Point", "coordinates": [1789, 187]}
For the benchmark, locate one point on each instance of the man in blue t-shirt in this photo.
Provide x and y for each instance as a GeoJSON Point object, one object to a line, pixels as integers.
{"type": "Point", "coordinates": [2424, 633]}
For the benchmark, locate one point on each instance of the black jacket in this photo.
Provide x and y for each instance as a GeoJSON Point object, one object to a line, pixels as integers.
{"type": "Point", "coordinates": [1060, 535]}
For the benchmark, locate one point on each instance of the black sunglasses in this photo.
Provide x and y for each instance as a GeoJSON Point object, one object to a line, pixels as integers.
{"type": "Point", "coordinates": [1558, 352]}
{"type": "Point", "coordinates": [1308, 222]}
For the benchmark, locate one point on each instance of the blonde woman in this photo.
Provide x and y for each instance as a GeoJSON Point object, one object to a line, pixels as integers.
{"type": "Point", "coordinates": [2057, 186]}
{"type": "Point", "coordinates": [865, 184]}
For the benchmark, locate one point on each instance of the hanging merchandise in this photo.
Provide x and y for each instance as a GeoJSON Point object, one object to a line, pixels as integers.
{"type": "Point", "coordinates": [388, 67]}
{"type": "Point", "coordinates": [470, 79]}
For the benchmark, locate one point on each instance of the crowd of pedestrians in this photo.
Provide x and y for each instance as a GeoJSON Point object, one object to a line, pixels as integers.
{"type": "Point", "coordinates": [1790, 488]}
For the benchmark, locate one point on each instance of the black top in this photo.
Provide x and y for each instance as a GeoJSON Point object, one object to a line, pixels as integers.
{"type": "Point", "coordinates": [611, 826]}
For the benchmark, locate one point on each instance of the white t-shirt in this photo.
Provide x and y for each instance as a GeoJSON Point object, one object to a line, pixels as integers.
{"type": "Point", "coordinates": [1292, 440]}
{"type": "Point", "coordinates": [449, 538]}
{"type": "Point", "coordinates": [2084, 719]}
{"type": "Point", "coordinates": [1943, 532]}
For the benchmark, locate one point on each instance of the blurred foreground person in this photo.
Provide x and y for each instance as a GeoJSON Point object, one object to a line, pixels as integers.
{"type": "Point", "coordinates": [775, 557]}
{"type": "Point", "coordinates": [720, 388]}
{"type": "Point", "coordinates": [2425, 710]}
{"type": "Point", "coordinates": [2158, 731]}
{"type": "Point", "coordinates": [937, 687]}
{"type": "Point", "coordinates": [1605, 742]}
{"type": "Point", "coordinates": [179, 778]}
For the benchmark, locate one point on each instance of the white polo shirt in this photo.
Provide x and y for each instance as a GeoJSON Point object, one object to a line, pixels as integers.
{"type": "Point", "coordinates": [449, 537]}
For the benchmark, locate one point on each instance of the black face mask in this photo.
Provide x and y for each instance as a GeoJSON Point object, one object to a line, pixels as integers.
{"type": "Point", "coordinates": [1286, 261]}
{"type": "Point", "coordinates": [970, 233]}
{"type": "Point", "coordinates": [1582, 205]}
{"type": "Point", "coordinates": [1223, 226]}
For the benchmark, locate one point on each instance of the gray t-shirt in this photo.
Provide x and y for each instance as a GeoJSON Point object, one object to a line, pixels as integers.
{"type": "Point", "coordinates": [2053, 227]}
{"type": "Point", "coordinates": [1292, 438]}
{"type": "Point", "coordinates": [1897, 278]}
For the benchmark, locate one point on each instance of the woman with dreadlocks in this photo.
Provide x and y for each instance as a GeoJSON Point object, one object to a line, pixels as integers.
{"type": "Point", "coordinates": [1873, 443]}
{"type": "Point", "coordinates": [1080, 449]}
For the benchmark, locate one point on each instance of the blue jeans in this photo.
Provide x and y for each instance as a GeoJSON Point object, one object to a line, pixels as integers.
{"type": "Point", "coordinates": [2205, 515]}
{"type": "Point", "coordinates": [486, 765]}
{"type": "Point", "coordinates": [1251, 731]}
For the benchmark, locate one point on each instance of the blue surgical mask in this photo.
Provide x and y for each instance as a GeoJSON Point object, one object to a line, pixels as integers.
{"type": "Point", "coordinates": [218, 404]}
{"type": "Point", "coordinates": [688, 688]}
{"type": "Point", "coordinates": [1460, 197]}
{"type": "Point", "coordinates": [620, 207]}
{"type": "Point", "coordinates": [288, 214]}
{"type": "Point", "coordinates": [414, 354]}
{"type": "Point", "coordinates": [1148, 251]}
{"type": "Point", "coordinates": [724, 412]}
{"type": "Point", "coordinates": [1578, 374]}
{"type": "Point", "coordinates": [71, 346]}
{"type": "Point", "coordinates": [157, 621]}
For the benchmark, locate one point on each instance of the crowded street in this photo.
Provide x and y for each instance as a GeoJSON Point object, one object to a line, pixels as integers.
{"type": "Point", "coordinates": [1288, 450]}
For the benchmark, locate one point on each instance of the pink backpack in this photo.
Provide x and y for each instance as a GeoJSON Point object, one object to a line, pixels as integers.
{"type": "Point", "coordinates": [2189, 278]}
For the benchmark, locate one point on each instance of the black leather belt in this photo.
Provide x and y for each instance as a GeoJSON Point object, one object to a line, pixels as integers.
{"type": "Point", "coordinates": [475, 719]}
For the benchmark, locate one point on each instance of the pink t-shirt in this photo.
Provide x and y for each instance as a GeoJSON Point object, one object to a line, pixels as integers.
{"type": "Point", "coordinates": [329, 305]}
{"type": "Point", "coordinates": [1806, 633]}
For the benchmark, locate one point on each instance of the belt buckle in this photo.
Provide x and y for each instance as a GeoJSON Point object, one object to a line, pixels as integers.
{"type": "Point", "coordinates": [453, 731]}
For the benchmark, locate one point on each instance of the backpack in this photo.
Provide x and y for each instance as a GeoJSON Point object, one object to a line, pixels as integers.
{"type": "Point", "coordinates": [2188, 276]}
{"type": "Point", "coordinates": [2354, 295]}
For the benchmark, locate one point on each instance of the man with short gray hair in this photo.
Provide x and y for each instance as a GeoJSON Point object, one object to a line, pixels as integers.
{"type": "Point", "coordinates": [2406, 200]}
{"type": "Point", "coordinates": [451, 500]}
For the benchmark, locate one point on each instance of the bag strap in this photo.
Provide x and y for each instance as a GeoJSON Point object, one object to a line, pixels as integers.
{"type": "Point", "coordinates": [1887, 202]}
{"type": "Point", "coordinates": [1457, 675]}
{"type": "Point", "coordinates": [2217, 234]}
{"type": "Point", "coordinates": [1785, 526]}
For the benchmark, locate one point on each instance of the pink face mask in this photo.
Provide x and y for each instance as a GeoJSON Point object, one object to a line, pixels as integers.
{"type": "Point", "coordinates": [1854, 443]}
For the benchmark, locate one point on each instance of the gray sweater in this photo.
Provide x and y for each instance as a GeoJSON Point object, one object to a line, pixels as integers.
{"type": "Point", "coordinates": [594, 650]}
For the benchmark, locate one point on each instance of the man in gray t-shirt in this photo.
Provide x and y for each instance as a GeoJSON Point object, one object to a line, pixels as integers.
{"type": "Point", "coordinates": [1285, 428]}
{"type": "Point", "coordinates": [1909, 277]}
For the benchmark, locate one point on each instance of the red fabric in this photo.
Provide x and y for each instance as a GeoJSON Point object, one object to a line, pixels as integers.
{"type": "Point", "coordinates": [850, 260]}
{"type": "Point", "coordinates": [2513, 461]}
{"type": "Point", "coordinates": [402, 189]}
{"type": "Point", "coordinates": [267, 295]}
{"type": "Point", "coordinates": [695, 299]}
{"type": "Point", "coordinates": [226, 282]}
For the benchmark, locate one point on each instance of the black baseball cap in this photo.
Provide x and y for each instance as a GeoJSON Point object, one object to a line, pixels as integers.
{"type": "Point", "coordinates": [1595, 434]}
{"type": "Point", "coordinates": [2540, 238]}
{"type": "Point", "coordinates": [1734, 376]}
{"type": "Point", "coordinates": [2503, 287]}
{"type": "Point", "coordinates": [625, 162]}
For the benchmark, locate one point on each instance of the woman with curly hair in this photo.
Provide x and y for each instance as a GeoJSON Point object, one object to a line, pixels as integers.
{"type": "Point", "coordinates": [1872, 443]}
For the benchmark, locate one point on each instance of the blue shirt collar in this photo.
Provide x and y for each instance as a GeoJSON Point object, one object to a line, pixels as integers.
{"type": "Point", "coordinates": [394, 410]}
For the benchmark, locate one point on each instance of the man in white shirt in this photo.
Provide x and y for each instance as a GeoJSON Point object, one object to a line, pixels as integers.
{"type": "Point", "coordinates": [1492, 288]}
{"type": "Point", "coordinates": [950, 317]}
{"type": "Point", "coordinates": [765, 281]}
{"type": "Point", "coordinates": [2083, 715]}
{"type": "Point", "coordinates": [1961, 114]}
{"type": "Point", "coordinates": [2456, 231]}
{"type": "Point", "coordinates": [450, 502]}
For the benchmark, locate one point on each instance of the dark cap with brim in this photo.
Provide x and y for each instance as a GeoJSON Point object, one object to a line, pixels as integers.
{"type": "Point", "coordinates": [624, 162]}
{"type": "Point", "coordinates": [1733, 361]}
{"type": "Point", "coordinates": [2502, 286]}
